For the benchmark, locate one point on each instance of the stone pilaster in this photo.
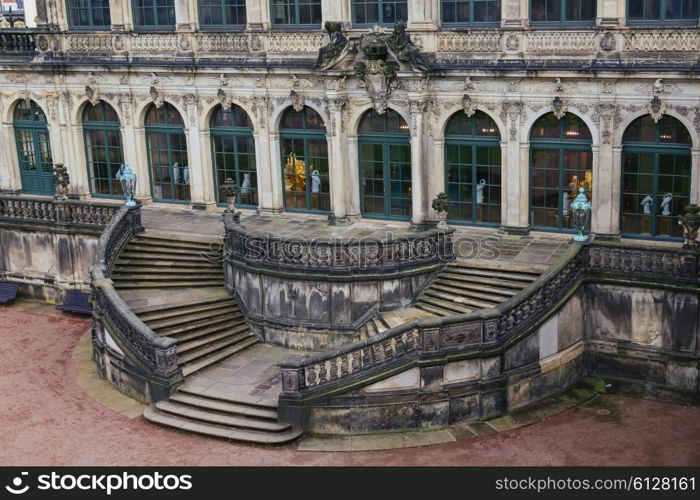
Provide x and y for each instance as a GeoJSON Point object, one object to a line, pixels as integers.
{"type": "Point", "coordinates": [118, 15]}
{"type": "Point", "coordinates": [257, 15]}
{"type": "Point", "coordinates": [200, 197]}
{"type": "Point", "coordinates": [272, 199]}
{"type": "Point", "coordinates": [436, 177]}
{"type": "Point", "coordinates": [611, 13]}
{"type": "Point", "coordinates": [185, 18]}
{"type": "Point", "coordinates": [341, 205]}
{"type": "Point", "coordinates": [417, 107]}
{"type": "Point", "coordinates": [423, 15]}
{"type": "Point", "coordinates": [334, 10]}
{"type": "Point", "coordinates": [606, 183]}
{"type": "Point", "coordinates": [514, 13]}
{"type": "Point", "coordinates": [517, 167]}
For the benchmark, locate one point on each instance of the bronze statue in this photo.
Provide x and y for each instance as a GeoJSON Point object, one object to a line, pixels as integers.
{"type": "Point", "coordinates": [400, 42]}
{"type": "Point", "coordinates": [330, 52]}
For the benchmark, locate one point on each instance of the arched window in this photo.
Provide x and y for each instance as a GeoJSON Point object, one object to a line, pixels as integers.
{"type": "Point", "coordinates": [233, 150]}
{"type": "Point", "coordinates": [561, 162]}
{"type": "Point", "coordinates": [379, 11]}
{"type": "Point", "coordinates": [305, 161]}
{"type": "Point", "coordinates": [89, 14]}
{"type": "Point", "coordinates": [385, 165]}
{"type": "Point", "coordinates": [656, 167]}
{"type": "Point", "coordinates": [103, 149]}
{"type": "Point", "coordinates": [222, 13]}
{"type": "Point", "coordinates": [467, 12]}
{"type": "Point", "coordinates": [295, 12]}
{"type": "Point", "coordinates": [473, 168]}
{"type": "Point", "coordinates": [662, 11]}
{"type": "Point", "coordinates": [33, 148]}
{"type": "Point", "coordinates": [167, 154]}
{"type": "Point", "coordinates": [159, 14]}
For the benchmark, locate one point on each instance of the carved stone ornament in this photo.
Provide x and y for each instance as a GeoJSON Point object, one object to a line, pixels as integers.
{"type": "Point", "coordinates": [441, 204]}
{"type": "Point", "coordinates": [468, 105]}
{"type": "Point", "coordinates": [512, 42]}
{"type": "Point", "coordinates": [607, 42]}
{"type": "Point", "coordinates": [656, 109]}
{"type": "Point", "coordinates": [297, 99]}
{"type": "Point", "coordinates": [156, 97]}
{"type": "Point", "coordinates": [558, 108]}
{"type": "Point", "coordinates": [376, 74]}
{"type": "Point", "coordinates": [93, 95]}
{"type": "Point", "coordinates": [61, 180]}
{"type": "Point", "coordinates": [224, 99]}
{"type": "Point", "coordinates": [335, 49]}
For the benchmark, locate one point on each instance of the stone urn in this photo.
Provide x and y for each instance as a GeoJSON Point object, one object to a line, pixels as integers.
{"type": "Point", "coordinates": [229, 190]}
{"type": "Point", "coordinates": [61, 180]}
{"type": "Point", "coordinates": [690, 221]}
{"type": "Point", "coordinates": [441, 205]}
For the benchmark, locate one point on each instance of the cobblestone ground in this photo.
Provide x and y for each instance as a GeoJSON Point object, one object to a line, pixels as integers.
{"type": "Point", "coordinates": [50, 416]}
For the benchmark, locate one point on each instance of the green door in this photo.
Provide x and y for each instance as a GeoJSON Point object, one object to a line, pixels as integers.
{"type": "Point", "coordinates": [33, 149]}
{"type": "Point", "coordinates": [385, 179]}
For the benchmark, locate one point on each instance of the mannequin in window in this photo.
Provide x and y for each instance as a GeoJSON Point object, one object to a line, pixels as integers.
{"type": "Point", "coordinates": [647, 202]}
{"type": "Point", "coordinates": [666, 204]}
{"type": "Point", "coordinates": [480, 191]}
{"type": "Point", "coordinates": [245, 185]}
{"type": "Point", "coordinates": [315, 182]}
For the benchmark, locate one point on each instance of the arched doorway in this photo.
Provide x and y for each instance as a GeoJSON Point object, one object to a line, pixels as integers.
{"type": "Point", "coordinates": [385, 165]}
{"type": "Point", "coordinates": [305, 161]}
{"type": "Point", "coordinates": [561, 162]}
{"type": "Point", "coordinates": [33, 148]}
{"type": "Point", "coordinates": [103, 149]}
{"type": "Point", "coordinates": [473, 169]}
{"type": "Point", "coordinates": [656, 171]}
{"type": "Point", "coordinates": [167, 154]}
{"type": "Point", "coordinates": [233, 153]}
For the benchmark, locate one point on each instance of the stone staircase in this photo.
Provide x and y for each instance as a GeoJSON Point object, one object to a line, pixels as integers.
{"type": "Point", "coordinates": [206, 331]}
{"type": "Point", "coordinates": [154, 261]}
{"type": "Point", "coordinates": [465, 286]}
{"type": "Point", "coordinates": [234, 418]}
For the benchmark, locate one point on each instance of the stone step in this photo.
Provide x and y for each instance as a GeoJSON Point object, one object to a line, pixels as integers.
{"type": "Point", "coordinates": [135, 246]}
{"type": "Point", "coordinates": [243, 409]}
{"type": "Point", "coordinates": [165, 277]}
{"type": "Point", "coordinates": [198, 314]}
{"type": "Point", "coordinates": [443, 304]}
{"type": "Point", "coordinates": [145, 261]}
{"type": "Point", "coordinates": [498, 266]}
{"type": "Point", "coordinates": [153, 414]}
{"type": "Point", "coordinates": [486, 290]}
{"type": "Point", "coordinates": [239, 326]}
{"type": "Point", "coordinates": [209, 348]}
{"type": "Point", "coordinates": [217, 356]}
{"type": "Point", "coordinates": [380, 323]}
{"type": "Point", "coordinates": [484, 281]}
{"type": "Point", "coordinates": [146, 256]}
{"type": "Point", "coordinates": [437, 311]}
{"type": "Point", "coordinates": [165, 271]}
{"type": "Point", "coordinates": [226, 319]}
{"type": "Point", "coordinates": [237, 334]}
{"type": "Point", "coordinates": [221, 419]}
{"type": "Point", "coordinates": [124, 285]}
{"type": "Point", "coordinates": [471, 303]}
{"type": "Point", "coordinates": [490, 273]}
{"type": "Point", "coordinates": [169, 310]}
{"type": "Point", "coordinates": [240, 398]}
{"type": "Point", "coordinates": [492, 299]}
{"type": "Point", "coordinates": [162, 242]}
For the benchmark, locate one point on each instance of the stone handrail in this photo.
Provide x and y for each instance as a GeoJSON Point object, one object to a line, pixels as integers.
{"type": "Point", "coordinates": [42, 210]}
{"type": "Point", "coordinates": [155, 353]}
{"type": "Point", "coordinates": [486, 328]}
{"type": "Point", "coordinates": [637, 41]}
{"type": "Point", "coordinates": [333, 256]}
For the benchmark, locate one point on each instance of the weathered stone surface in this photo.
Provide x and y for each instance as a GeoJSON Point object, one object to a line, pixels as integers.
{"type": "Point", "coordinates": [409, 379]}
{"type": "Point", "coordinates": [524, 352]}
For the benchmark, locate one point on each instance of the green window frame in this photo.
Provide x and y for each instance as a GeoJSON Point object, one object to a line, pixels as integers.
{"type": "Point", "coordinates": [656, 161]}
{"type": "Point", "coordinates": [93, 14]}
{"type": "Point", "coordinates": [470, 12]}
{"type": "Point", "coordinates": [166, 146]}
{"type": "Point", "coordinates": [104, 154]}
{"type": "Point", "coordinates": [473, 169]}
{"type": "Point", "coordinates": [33, 148]}
{"type": "Point", "coordinates": [563, 12]}
{"type": "Point", "coordinates": [662, 11]}
{"type": "Point", "coordinates": [561, 162]}
{"type": "Point", "coordinates": [233, 154]}
{"type": "Point", "coordinates": [382, 12]}
{"type": "Point", "coordinates": [384, 151]}
{"type": "Point", "coordinates": [305, 165]}
{"type": "Point", "coordinates": [295, 12]}
{"type": "Point", "coordinates": [222, 13]}
{"type": "Point", "coordinates": [154, 14]}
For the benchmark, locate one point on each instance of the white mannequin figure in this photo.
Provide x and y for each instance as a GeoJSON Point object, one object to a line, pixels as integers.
{"type": "Point", "coordinates": [565, 203]}
{"type": "Point", "coordinates": [647, 203]}
{"type": "Point", "coordinates": [245, 185]}
{"type": "Point", "coordinates": [185, 174]}
{"type": "Point", "coordinates": [480, 191]}
{"type": "Point", "coordinates": [666, 204]}
{"type": "Point", "coordinates": [176, 172]}
{"type": "Point", "coordinates": [315, 182]}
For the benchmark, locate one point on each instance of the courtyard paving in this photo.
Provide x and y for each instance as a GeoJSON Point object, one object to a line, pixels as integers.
{"type": "Point", "coordinates": [54, 412]}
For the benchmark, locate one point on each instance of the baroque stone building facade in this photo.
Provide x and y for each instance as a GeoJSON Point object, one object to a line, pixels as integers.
{"type": "Point", "coordinates": [515, 113]}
